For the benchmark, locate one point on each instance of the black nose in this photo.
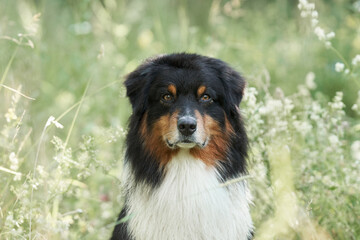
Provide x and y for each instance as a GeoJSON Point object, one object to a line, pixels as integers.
{"type": "Point", "coordinates": [187, 125]}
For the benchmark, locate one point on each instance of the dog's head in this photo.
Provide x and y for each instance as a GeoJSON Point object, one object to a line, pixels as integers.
{"type": "Point", "coordinates": [185, 101]}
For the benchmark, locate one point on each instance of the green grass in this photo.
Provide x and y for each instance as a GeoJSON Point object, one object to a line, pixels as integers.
{"type": "Point", "coordinates": [67, 59]}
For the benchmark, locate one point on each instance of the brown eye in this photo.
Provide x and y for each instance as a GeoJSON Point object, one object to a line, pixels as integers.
{"type": "Point", "coordinates": [167, 97]}
{"type": "Point", "coordinates": [205, 98]}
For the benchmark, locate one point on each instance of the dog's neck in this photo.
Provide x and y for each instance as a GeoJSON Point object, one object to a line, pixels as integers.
{"type": "Point", "coordinates": [189, 203]}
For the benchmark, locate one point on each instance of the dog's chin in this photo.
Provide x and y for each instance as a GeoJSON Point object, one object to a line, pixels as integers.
{"type": "Point", "coordinates": [186, 144]}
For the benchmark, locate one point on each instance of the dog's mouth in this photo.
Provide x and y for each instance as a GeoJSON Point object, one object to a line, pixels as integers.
{"type": "Point", "coordinates": [186, 143]}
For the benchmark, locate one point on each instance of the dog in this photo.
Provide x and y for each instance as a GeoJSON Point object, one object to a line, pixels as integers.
{"type": "Point", "coordinates": [186, 140]}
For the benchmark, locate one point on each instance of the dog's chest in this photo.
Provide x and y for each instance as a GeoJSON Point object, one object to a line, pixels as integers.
{"type": "Point", "coordinates": [189, 204]}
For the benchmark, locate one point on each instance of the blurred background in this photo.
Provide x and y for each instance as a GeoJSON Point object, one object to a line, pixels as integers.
{"type": "Point", "coordinates": [68, 59]}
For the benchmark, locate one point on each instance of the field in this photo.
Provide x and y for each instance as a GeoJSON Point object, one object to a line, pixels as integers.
{"type": "Point", "coordinates": [63, 110]}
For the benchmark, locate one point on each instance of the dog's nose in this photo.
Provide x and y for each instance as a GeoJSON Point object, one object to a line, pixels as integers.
{"type": "Point", "coordinates": [187, 125]}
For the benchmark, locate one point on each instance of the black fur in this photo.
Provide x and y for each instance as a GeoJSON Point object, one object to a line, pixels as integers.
{"type": "Point", "coordinates": [120, 231]}
{"type": "Point", "coordinates": [147, 83]}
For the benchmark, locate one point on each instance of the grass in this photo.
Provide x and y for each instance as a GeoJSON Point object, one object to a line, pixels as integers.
{"type": "Point", "coordinates": [60, 176]}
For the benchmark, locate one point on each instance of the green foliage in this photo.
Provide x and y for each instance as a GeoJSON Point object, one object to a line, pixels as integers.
{"type": "Point", "coordinates": [60, 176]}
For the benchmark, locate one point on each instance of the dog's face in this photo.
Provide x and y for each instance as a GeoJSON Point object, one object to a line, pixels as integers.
{"type": "Point", "coordinates": [185, 101]}
{"type": "Point", "coordinates": [184, 108]}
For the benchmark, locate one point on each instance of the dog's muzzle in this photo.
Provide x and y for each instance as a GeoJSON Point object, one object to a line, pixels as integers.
{"type": "Point", "coordinates": [187, 136]}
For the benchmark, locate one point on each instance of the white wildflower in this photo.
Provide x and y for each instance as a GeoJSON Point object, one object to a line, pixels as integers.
{"type": "Point", "coordinates": [288, 105]}
{"type": "Point", "coordinates": [355, 107]}
{"type": "Point", "coordinates": [308, 9]}
{"type": "Point", "coordinates": [355, 150]}
{"type": "Point", "coordinates": [250, 96]}
{"type": "Point", "coordinates": [337, 103]}
{"type": "Point", "coordinates": [338, 96]}
{"type": "Point", "coordinates": [357, 6]}
{"type": "Point", "coordinates": [57, 124]}
{"type": "Point", "coordinates": [35, 185]}
{"type": "Point", "coordinates": [320, 33]}
{"type": "Point", "coordinates": [302, 4]}
{"type": "Point", "coordinates": [279, 93]}
{"type": "Point", "coordinates": [309, 80]}
{"type": "Point", "coordinates": [310, 6]}
{"type": "Point", "coordinates": [314, 22]}
{"type": "Point", "coordinates": [328, 44]}
{"type": "Point", "coordinates": [334, 140]}
{"type": "Point", "coordinates": [272, 106]}
{"type": "Point", "coordinates": [51, 120]}
{"type": "Point", "coordinates": [330, 35]}
{"type": "Point", "coordinates": [302, 127]}
{"type": "Point", "coordinates": [356, 60]}
{"type": "Point", "coordinates": [281, 125]}
{"type": "Point", "coordinates": [17, 177]}
{"type": "Point", "coordinates": [304, 14]}
{"type": "Point", "coordinates": [339, 67]}
{"type": "Point", "coordinates": [42, 171]}
{"type": "Point", "coordinates": [10, 115]}
{"type": "Point", "coordinates": [13, 161]}
{"type": "Point", "coordinates": [304, 91]}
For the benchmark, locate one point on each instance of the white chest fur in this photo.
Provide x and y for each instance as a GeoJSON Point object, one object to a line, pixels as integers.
{"type": "Point", "coordinates": [189, 204]}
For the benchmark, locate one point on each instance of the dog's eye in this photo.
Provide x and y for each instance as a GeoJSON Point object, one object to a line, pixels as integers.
{"type": "Point", "coordinates": [205, 98]}
{"type": "Point", "coordinates": [167, 97]}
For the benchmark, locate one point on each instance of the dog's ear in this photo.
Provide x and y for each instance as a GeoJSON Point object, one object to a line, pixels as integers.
{"type": "Point", "coordinates": [136, 84]}
{"type": "Point", "coordinates": [234, 85]}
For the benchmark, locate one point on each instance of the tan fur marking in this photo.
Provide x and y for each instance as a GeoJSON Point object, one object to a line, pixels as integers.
{"type": "Point", "coordinates": [172, 89]}
{"type": "Point", "coordinates": [143, 127]}
{"type": "Point", "coordinates": [201, 90]}
{"type": "Point", "coordinates": [171, 131]}
{"type": "Point", "coordinates": [218, 144]}
{"type": "Point", "coordinates": [153, 138]}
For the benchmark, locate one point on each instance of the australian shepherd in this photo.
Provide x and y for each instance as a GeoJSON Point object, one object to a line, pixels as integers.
{"type": "Point", "coordinates": [186, 141]}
